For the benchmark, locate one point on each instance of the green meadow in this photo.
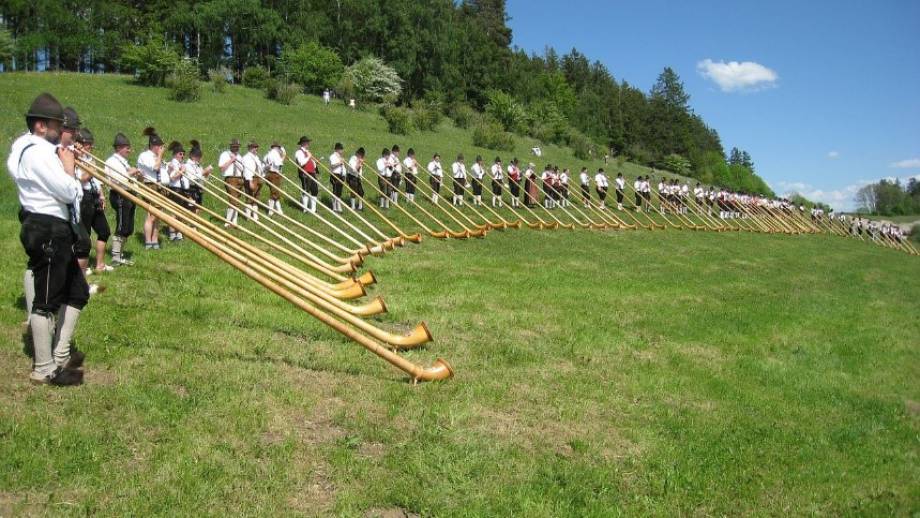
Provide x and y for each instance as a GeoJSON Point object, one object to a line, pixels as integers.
{"type": "Point", "coordinates": [598, 372]}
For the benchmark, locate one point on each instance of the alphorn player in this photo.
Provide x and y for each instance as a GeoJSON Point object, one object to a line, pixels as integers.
{"type": "Point", "coordinates": [232, 169]}
{"type": "Point", "coordinates": [477, 172]}
{"type": "Point", "coordinates": [435, 177]}
{"type": "Point", "coordinates": [584, 180]}
{"type": "Point", "coordinates": [384, 178]}
{"type": "Point", "coordinates": [637, 189]}
{"type": "Point", "coordinates": [253, 169]}
{"type": "Point", "coordinates": [150, 164]}
{"type": "Point", "coordinates": [92, 207]}
{"type": "Point", "coordinates": [195, 175]}
{"type": "Point", "coordinates": [337, 175]}
{"type": "Point", "coordinates": [49, 194]}
{"type": "Point", "coordinates": [531, 190]}
{"type": "Point", "coordinates": [601, 183]}
{"type": "Point", "coordinates": [620, 184]}
{"type": "Point", "coordinates": [274, 162]}
{"type": "Point", "coordinates": [119, 170]}
{"type": "Point", "coordinates": [563, 191]}
{"type": "Point", "coordinates": [498, 173]}
{"type": "Point", "coordinates": [306, 164]}
{"type": "Point", "coordinates": [411, 169]}
{"type": "Point", "coordinates": [175, 176]}
{"type": "Point", "coordinates": [458, 169]}
{"type": "Point", "coordinates": [354, 179]}
{"type": "Point", "coordinates": [395, 174]}
{"type": "Point", "coordinates": [514, 182]}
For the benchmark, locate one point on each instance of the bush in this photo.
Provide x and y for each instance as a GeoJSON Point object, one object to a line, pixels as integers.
{"type": "Point", "coordinates": [219, 78]}
{"type": "Point", "coordinates": [490, 134]}
{"type": "Point", "coordinates": [504, 109]}
{"type": "Point", "coordinates": [463, 115]}
{"type": "Point", "coordinates": [151, 62]}
{"type": "Point", "coordinates": [398, 120]}
{"type": "Point", "coordinates": [915, 233]}
{"type": "Point", "coordinates": [183, 82]}
{"type": "Point", "coordinates": [371, 79]}
{"type": "Point", "coordinates": [426, 116]}
{"type": "Point", "coordinates": [256, 77]}
{"type": "Point", "coordinates": [582, 147]}
{"type": "Point", "coordinates": [281, 91]}
{"type": "Point", "coordinates": [311, 65]}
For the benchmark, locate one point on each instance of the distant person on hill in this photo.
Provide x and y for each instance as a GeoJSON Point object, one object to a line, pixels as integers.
{"type": "Point", "coordinates": [253, 173]}
{"type": "Point", "coordinates": [435, 177]}
{"type": "Point", "coordinates": [327, 96]}
{"type": "Point", "coordinates": [384, 173]}
{"type": "Point", "coordinates": [498, 175]}
{"type": "Point", "coordinates": [477, 172]}
{"type": "Point", "coordinates": [411, 171]}
{"type": "Point", "coordinates": [354, 177]}
{"type": "Point", "coordinates": [337, 175]}
{"type": "Point", "coordinates": [232, 169]}
{"type": "Point", "coordinates": [306, 165]}
{"type": "Point", "coordinates": [514, 181]}
{"type": "Point", "coordinates": [49, 196]}
{"type": "Point", "coordinates": [119, 170]}
{"type": "Point", "coordinates": [458, 169]}
{"type": "Point", "coordinates": [620, 187]}
{"type": "Point", "coordinates": [151, 165]}
{"type": "Point", "coordinates": [274, 162]}
{"type": "Point", "coordinates": [584, 180]}
{"type": "Point", "coordinates": [601, 183]}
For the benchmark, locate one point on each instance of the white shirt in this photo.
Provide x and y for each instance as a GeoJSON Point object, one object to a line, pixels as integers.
{"type": "Point", "coordinates": [497, 172]}
{"type": "Point", "coordinates": [91, 183]}
{"type": "Point", "coordinates": [434, 167]}
{"type": "Point", "coordinates": [172, 168]}
{"type": "Point", "coordinates": [564, 179]}
{"type": "Point", "coordinates": [621, 183]}
{"type": "Point", "coordinates": [354, 168]}
{"type": "Point", "coordinates": [662, 188]}
{"type": "Point", "coordinates": [116, 167]}
{"type": "Point", "coordinates": [302, 156]}
{"type": "Point", "coordinates": [637, 186]}
{"type": "Point", "coordinates": [600, 180]}
{"type": "Point", "coordinates": [194, 173]}
{"type": "Point", "coordinates": [513, 172]}
{"type": "Point", "coordinates": [274, 160]}
{"type": "Point", "coordinates": [337, 164]}
{"type": "Point", "coordinates": [235, 169]}
{"type": "Point", "coordinates": [646, 187]}
{"type": "Point", "coordinates": [584, 178]}
{"type": "Point", "coordinates": [411, 165]}
{"type": "Point", "coordinates": [383, 167]}
{"type": "Point", "coordinates": [684, 190]}
{"type": "Point", "coordinates": [44, 187]}
{"type": "Point", "coordinates": [459, 169]}
{"type": "Point", "coordinates": [477, 171]}
{"type": "Point", "coordinates": [252, 166]}
{"type": "Point", "coordinates": [147, 162]}
{"type": "Point", "coordinates": [698, 192]}
{"type": "Point", "coordinates": [395, 164]}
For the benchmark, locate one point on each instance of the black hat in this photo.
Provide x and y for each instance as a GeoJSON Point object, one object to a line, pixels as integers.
{"type": "Point", "coordinates": [45, 106]}
{"type": "Point", "coordinates": [252, 144]}
{"type": "Point", "coordinates": [303, 140]}
{"type": "Point", "coordinates": [386, 152]}
{"type": "Point", "coordinates": [514, 160]}
{"type": "Point", "coordinates": [411, 152]}
{"type": "Point", "coordinates": [360, 152]}
{"type": "Point", "coordinates": [498, 159]}
{"type": "Point", "coordinates": [153, 138]}
{"type": "Point", "coordinates": [84, 136]}
{"type": "Point", "coordinates": [175, 147]}
{"type": "Point", "coordinates": [459, 156]}
{"type": "Point", "coordinates": [71, 119]}
{"type": "Point", "coordinates": [396, 147]}
{"type": "Point", "coordinates": [121, 141]}
{"type": "Point", "coordinates": [436, 155]}
{"type": "Point", "coordinates": [196, 149]}
{"type": "Point", "coordinates": [275, 143]}
{"type": "Point", "coordinates": [234, 142]}
{"type": "Point", "coordinates": [479, 158]}
{"type": "Point", "coordinates": [338, 146]}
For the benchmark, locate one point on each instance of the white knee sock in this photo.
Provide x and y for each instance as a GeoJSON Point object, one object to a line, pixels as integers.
{"type": "Point", "coordinates": [42, 328]}
{"type": "Point", "coordinates": [28, 286]}
{"type": "Point", "coordinates": [66, 326]}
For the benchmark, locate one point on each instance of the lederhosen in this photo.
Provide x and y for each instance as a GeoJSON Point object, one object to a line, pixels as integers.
{"type": "Point", "coordinates": [586, 191]}
{"type": "Point", "coordinates": [49, 244]}
{"type": "Point", "coordinates": [410, 182]}
{"type": "Point", "coordinates": [336, 182]}
{"type": "Point", "coordinates": [496, 187]}
{"type": "Point", "coordinates": [274, 184]}
{"type": "Point", "coordinates": [92, 215]}
{"type": "Point", "coordinates": [514, 185]}
{"type": "Point", "coordinates": [354, 183]}
{"type": "Point", "coordinates": [563, 191]}
{"type": "Point", "coordinates": [619, 193]}
{"type": "Point", "coordinates": [307, 174]}
{"type": "Point", "coordinates": [394, 178]}
{"type": "Point", "coordinates": [435, 183]}
{"type": "Point", "coordinates": [477, 186]}
{"type": "Point", "coordinates": [384, 182]}
{"type": "Point", "coordinates": [458, 185]}
{"type": "Point", "coordinates": [601, 192]}
{"type": "Point", "coordinates": [254, 191]}
{"type": "Point", "coordinates": [638, 197]}
{"type": "Point", "coordinates": [124, 211]}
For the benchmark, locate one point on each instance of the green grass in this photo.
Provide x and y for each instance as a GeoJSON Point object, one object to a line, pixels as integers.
{"type": "Point", "coordinates": [598, 373]}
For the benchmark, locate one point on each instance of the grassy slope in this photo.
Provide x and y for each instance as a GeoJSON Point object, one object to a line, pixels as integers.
{"type": "Point", "coordinates": [596, 371]}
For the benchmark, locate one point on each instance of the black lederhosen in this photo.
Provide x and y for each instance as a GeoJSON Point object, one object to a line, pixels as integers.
{"type": "Point", "coordinates": [585, 191]}
{"type": "Point", "coordinates": [336, 182]}
{"type": "Point", "coordinates": [308, 184]}
{"type": "Point", "coordinates": [354, 182]}
{"type": "Point", "coordinates": [602, 193]}
{"type": "Point", "coordinates": [435, 183]}
{"type": "Point", "coordinates": [477, 187]}
{"type": "Point", "coordinates": [515, 187]}
{"type": "Point", "coordinates": [547, 190]}
{"type": "Point", "coordinates": [638, 199]}
{"type": "Point", "coordinates": [92, 217]}
{"type": "Point", "coordinates": [410, 183]}
{"type": "Point", "coordinates": [564, 192]}
{"type": "Point", "coordinates": [394, 181]}
{"type": "Point", "coordinates": [196, 194]}
{"type": "Point", "coordinates": [458, 186]}
{"type": "Point", "coordinates": [49, 242]}
{"type": "Point", "coordinates": [496, 187]}
{"type": "Point", "coordinates": [384, 184]}
{"type": "Point", "coordinates": [124, 214]}
{"type": "Point", "coordinates": [619, 193]}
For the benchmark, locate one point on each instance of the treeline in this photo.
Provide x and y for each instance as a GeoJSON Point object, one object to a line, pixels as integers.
{"type": "Point", "coordinates": [446, 54]}
{"type": "Point", "coordinates": [890, 198]}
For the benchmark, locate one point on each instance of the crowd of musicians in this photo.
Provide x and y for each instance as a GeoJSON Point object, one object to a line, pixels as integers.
{"type": "Point", "coordinates": [62, 205]}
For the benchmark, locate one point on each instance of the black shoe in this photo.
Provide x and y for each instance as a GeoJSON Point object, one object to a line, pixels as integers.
{"type": "Point", "coordinates": [66, 377]}
{"type": "Point", "coordinates": [76, 359]}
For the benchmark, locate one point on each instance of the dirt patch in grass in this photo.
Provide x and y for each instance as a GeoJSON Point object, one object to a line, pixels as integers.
{"type": "Point", "coordinates": [390, 512]}
{"type": "Point", "coordinates": [912, 407]}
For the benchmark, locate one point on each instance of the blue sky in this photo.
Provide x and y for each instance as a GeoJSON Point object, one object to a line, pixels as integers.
{"type": "Point", "coordinates": [825, 96]}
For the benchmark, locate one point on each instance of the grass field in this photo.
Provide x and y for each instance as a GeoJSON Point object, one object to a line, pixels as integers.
{"type": "Point", "coordinates": [597, 373]}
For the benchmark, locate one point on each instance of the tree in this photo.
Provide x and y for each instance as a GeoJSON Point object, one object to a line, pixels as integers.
{"type": "Point", "coordinates": [313, 66]}
{"type": "Point", "coordinates": [7, 47]}
{"type": "Point", "coordinates": [370, 79]}
{"type": "Point", "coordinates": [865, 198]}
{"type": "Point", "coordinates": [670, 89]}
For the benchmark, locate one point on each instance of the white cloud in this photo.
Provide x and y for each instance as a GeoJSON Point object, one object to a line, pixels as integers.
{"type": "Point", "coordinates": [910, 163]}
{"type": "Point", "coordinates": [734, 76]}
{"type": "Point", "coordinates": [833, 155]}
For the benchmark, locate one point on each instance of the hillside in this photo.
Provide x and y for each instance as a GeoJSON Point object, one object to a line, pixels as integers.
{"type": "Point", "coordinates": [597, 372]}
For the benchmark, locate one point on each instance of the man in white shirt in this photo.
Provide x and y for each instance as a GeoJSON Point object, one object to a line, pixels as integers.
{"type": "Point", "coordinates": [563, 182]}
{"type": "Point", "coordinates": [458, 169]}
{"type": "Point", "coordinates": [49, 195]}
{"type": "Point", "coordinates": [354, 175]}
{"type": "Point", "coordinates": [411, 170]}
{"type": "Point", "coordinates": [584, 181]}
{"type": "Point", "coordinates": [395, 174]}
{"type": "Point", "coordinates": [601, 184]}
{"type": "Point", "coordinates": [306, 165]}
{"type": "Point", "coordinates": [274, 162]}
{"type": "Point", "coordinates": [620, 187]}
{"type": "Point", "coordinates": [498, 173]}
{"type": "Point", "coordinates": [150, 163]}
{"type": "Point", "coordinates": [196, 175]}
{"type": "Point", "coordinates": [119, 170]}
{"type": "Point", "coordinates": [477, 172]}
{"type": "Point", "coordinates": [514, 182]}
{"type": "Point", "coordinates": [175, 176]}
{"type": "Point", "coordinates": [436, 177]}
{"type": "Point", "coordinates": [337, 175]}
{"type": "Point", "coordinates": [231, 166]}
{"type": "Point", "coordinates": [637, 189]}
{"type": "Point", "coordinates": [547, 178]}
{"type": "Point", "coordinates": [253, 171]}
{"type": "Point", "coordinates": [92, 206]}
{"type": "Point", "coordinates": [647, 193]}
{"type": "Point", "coordinates": [384, 173]}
